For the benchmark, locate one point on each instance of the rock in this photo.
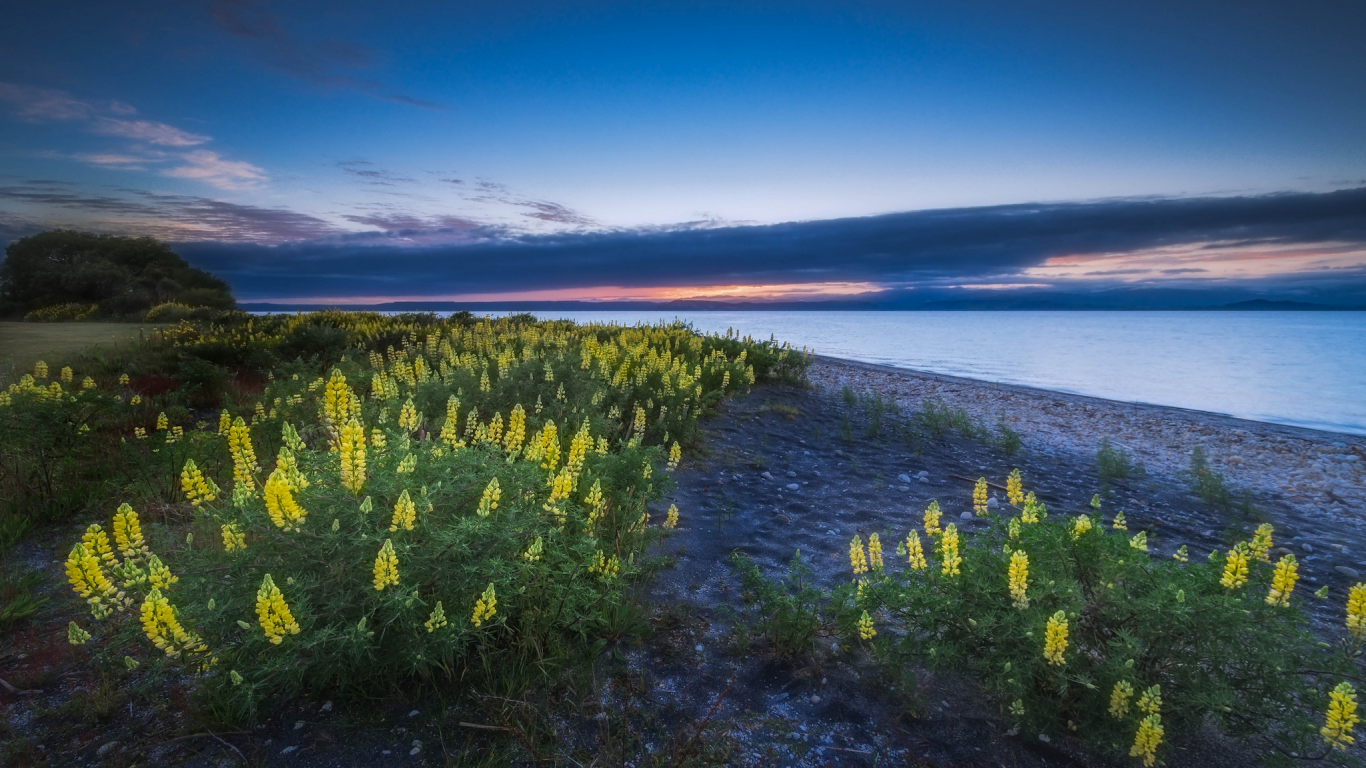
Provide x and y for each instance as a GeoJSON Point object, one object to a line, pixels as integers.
{"type": "Point", "coordinates": [413, 713]}
{"type": "Point", "coordinates": [698, 648]}
{"type": "Point", "coordinates": [792, 487]}
{"type": "Point", "coordinates": [779, 697]}
{"type": "Point", "coordinates": [993, 503]}
{"type": "Point", "coordinates": [298, 724]}
{"type": "Point", "coordinates": [815, 699]}
{"type": "Point", "coordinates": [790, 473]}
{"type": "Point", "coordinates": [106, 748]}
{"type": "Point", "coordinates": [903, 487]}
{"type": "Point", "coordinates": [326, 707]}
{"type": "Point", "coordinates": [839, 453]}
{"type": "Point", "coordinates": [417, 747]}
{"type": "Point", "coordinates": [1350, 573]}
{"type": "Point", "coordinates": [903, 477]}
{"type": "Point", "coordinates": [968, 516]}
{"type": "Point", "coordinates": [1307, 547]}
{"type": "Point", "coordinates": [766, 475]}
{"type": "Point", "coordinates": [288, 750]}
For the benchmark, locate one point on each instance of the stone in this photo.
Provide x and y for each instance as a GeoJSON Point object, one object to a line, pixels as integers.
{"type": "Point", "coordinates": [968, 516]}
{"type": "Point", "coordinates": [106, 748]}
{"type": "Point", "coordinates": [903, 477]}
{"type": "Point", "coordinates": [413, 713]}
{"type": "Point", "coordinates": [766, 475]}
{"type": "Point", "coordinates": [790, 473]}
{"type": "Point", "coordinates": [1350, 573]}
{"type": "Point", "coordinates": [815, 699]}
{"type": "Point", "coordinates": [993, 503]}
{"type": "Point", "coordinates": [288, 750]}
{"type": "Point", "coordinates": [698, 648]}
{"type": "Point", "coordinates": [298, 724]}
{"type": "Point", "coordinates": [792, 487]}
{"type": "Point", "coordinates": [326, 707]}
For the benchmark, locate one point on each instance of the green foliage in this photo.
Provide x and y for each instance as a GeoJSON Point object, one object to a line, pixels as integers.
{"type": "Point", "coordinates": [59, 313]}
{"type": "Point", "coordinates": [1209, 485]}
{"type": "Point", "coordinates": [123, 276]}
{"type": "Point", "coordinates": [937, 418]}
{"type": "Point", "coordinates": [788, 615]}
{"type": "Point", "coordinates": [1220, 655]}
{"type": "Point", "coordinates": [1113, 463]}
{"type": "Point", "coordinates": [18, 596]}
{"type": "Point", "coordinates": [1008, 440]}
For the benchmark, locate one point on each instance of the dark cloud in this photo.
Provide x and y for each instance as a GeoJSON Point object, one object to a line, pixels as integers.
{"type": "Point", "coordinates": [324, 64]}
{"type": "Point", "coordinates": [1183, 271]}
{"type": "Point", "coordinates": [922, 248]}
{"type": "Point", "coordinates": [367, 173]}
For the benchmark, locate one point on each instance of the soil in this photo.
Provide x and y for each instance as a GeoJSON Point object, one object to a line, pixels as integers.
{"type": "Point", "coordinates": [777, 470]}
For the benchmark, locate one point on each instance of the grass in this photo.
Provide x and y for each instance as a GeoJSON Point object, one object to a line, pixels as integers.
{"type": "Point", "coordinates": [1113, 463]}
{"type": "Point", "coordinates": [24, 344]}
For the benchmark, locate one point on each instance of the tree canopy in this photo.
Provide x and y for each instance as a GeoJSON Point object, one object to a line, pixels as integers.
{"type": "Point", "coordinates": [122, 276]}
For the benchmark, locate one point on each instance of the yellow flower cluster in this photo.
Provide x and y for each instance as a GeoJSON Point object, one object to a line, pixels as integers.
{"type": "Point", "coordinates": [234, 540]}
{"type": "Point", "coordinates": [857, 559]}
{"type": "Point", "coordinates": [386, 567]}
{"type": "Point", "coordinates": [66, 374]}
{"type": "Point", "coordinates": [1342, 717]}
{"type": "Point", "coordinates": [1055, 639]}
{"type": "Point", "coordinates": [75, 635]}
{"type": "Point", "coordinates": [272, 612]}
{"type": "Point", "coordinates": [604, 566]}
{"type": "Point", "coordinates": [408, 417]}
{"type": "Point", "coordinates": [437, 620]}
{"type": "Point", "coordinates": [486, 606]}
{"type": "Point", "coordinates": [1150, 701]}
{"type": "Point", "coordinates": [352, 450]}
{"type": "Point", "coordinates": [865, 627]}
{"type": "Point", "coordinates": [874, 552]}
{"type": "Point", "coordinates": [1140, 541]}
{"type": "Point", "coordinates": [1019, 578]}
{"type": "Point", "coordinates": [284, 511]}
{"type": "Point", "coordinates": [224, 423]}
{"type": "Point", "coordinates": [1181, 555]}
{"type": "Point", "coordinates": [162, 422]}
{"type": "Point", "coordinates": [675, 453]}
{"type": "Point", "coordinates": [128, 532]}
{"type": "Point", "coordinates": [40, 370]}
{"type": "Point", "coordinates": [88, 580]}
{"type": "Point", "coordinates": [159, 574]}
{"type": "Point", "coordinates": [1014, 488]}
{"type": "Point", "coordinates": [198, 488]}
{"type": "Point", "coordinates": [1356, 611]}
{"type": "Point", "coordinates": [1119, 699]}
{"type": "Point", "coordinates": [243, 455]}
{"type": "Point", "coordinates": [337, 401]}
{"type": "Point", "coordinates": [932, 515]}
{"type": "Point", "coordinates": [405, 513]}
{"type": "Point", "coordinates": [915, 553]}
{"type": "Point", "coordinates": [1148, 739]}
{"type": "Point", "coordinates": [979, 497]}
{"type": "Point", "coordinates": [1081, 524]}
{"type": "Point", "coordinates": [161, 626]}
{"type": "Point", "coordinates": [671, 521]}
{"type": "Point", "coordinates": [533, 552]}
{"type": "Point", "coordinates": [1235, 567]}
{"type": "Point", "coordinates": [948, 551]}
{"type": "Point", "coordinates": [1120, 524]}
{"type": "Point", "coordinates": [516, 431]}
{"type": "Point", "coordinates": [1283, 581]}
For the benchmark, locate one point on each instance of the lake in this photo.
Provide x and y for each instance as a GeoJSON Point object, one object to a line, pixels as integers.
{"type": "Point", "coordinates": [1305, 369]}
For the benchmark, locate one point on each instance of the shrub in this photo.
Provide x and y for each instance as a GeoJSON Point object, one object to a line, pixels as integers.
{"type": "Point", "coordinates": [169, 312]}
{"type": "Point", "coordinates": [789, 615]}
{"type": "Point", "coordinates": [1078, 629]}
{"type": "Point", "coordinates": [1113, 463]}
{"type": "Point", "coordinates": [59, 313]}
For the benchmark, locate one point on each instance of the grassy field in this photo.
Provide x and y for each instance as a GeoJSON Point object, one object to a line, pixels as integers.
{"type": "Point", "coordinates": [23, 344]}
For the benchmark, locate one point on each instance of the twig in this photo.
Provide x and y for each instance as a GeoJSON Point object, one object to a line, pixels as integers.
{"type": "Point", "coordinates": [970, 480]}
{"type": "Point", "coordinates": [202, 735]}
{"type": "Point", "coordinates": [484, 727]}
{"type": "Point", "coordinates": [702, 726]}
{"type": "Point", "coordinates": [230, 746]}
{"type": "Point", "coordinates": [843, 749]}
{"type": "Point", "coordinates": [16, 691]}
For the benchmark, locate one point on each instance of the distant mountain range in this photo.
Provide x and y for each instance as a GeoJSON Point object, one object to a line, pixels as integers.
{"type": "Point", "coordinates": [900, 299]}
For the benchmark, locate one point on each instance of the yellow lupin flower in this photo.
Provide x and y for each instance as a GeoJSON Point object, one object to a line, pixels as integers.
{"type": "Point", "coordinates": [486, 606]}
{"type": "Point", "coordinates": [932, 514]}
{"type": "Point", "coordinates": [75, 635]}
{"type": "Point", "coordinates": [1014, 488]}
{"type": "Point", "coordinates": [128, 532]}
{"type": "Point", "coordinates": [1151, 700]}
{"type": "Point", "coordinates": [1119, 699]}
{"type": "Point", "coordinates": [1356, 611]}
{"type": "Point", "coordinates": [979, 497]}
{"type": "Point", "coordinates": [915, 553]}
{"type": "Point", "coordinates": [1140, 541]}
{"type": "Point", "coordinates": [97, 541]}
{"type": "Point", "coordinates": [1261, 543]}
{"type": "Point", "coordinates": [66, 374]}
{"type": "Point", "coordinates": [336, 407]}
{"type": "Point", "coordinates": [857, 559]}
{"type": "Point", "coordinates": [273, 613]}
{"type": "Point", "coordinates": [352, 450]}
{"type": "Point", "coordinates": [224, 423]}
{"type": "Point", "coordinates": [161, 626]}
{"type": "Point", "coordinates": [865, 627]}
{"type": "Point", "coordinates": [40, 370]}
{"type": "Point", "coordinates": [87, 383]}
{"type": "Point", "coordinates": [234, 539]}
{"type": "Point", "coordinates": [198, 489]}
{"type": "Point", "coordinates": [386, 567]}
{"type": "Point", "coordinates": [1080, 524]}
{"type": "Point", "coordinates": [1235, 567]}
{"type": "Point", "coordinates": [1148, 739]}
{"type": "Point", "coordinates": [123, 379]}
{"type": "Point", "coordinates": [948, 551]}
{"type": "Point", "coordinates": [1283, 581]}
{"type": "Point", "coordinates": [1342, 717]}
{"type": "Point", "coordinates": [405, 513]}
{"type": "Point", "coordinates": [874, 551]}
{"type": "Point", "coordinates": [407, 416]}
{"type": "Point", "coordinates": [1029, 513]}
{"type": "Point", "coordinates": [1019, 578]}
{"type": "Point", "coordinates": [437, 620]}
{"type": "Point", "coordinates": [671, 521]}
{"type": "Point", "coordinates": [88, 580]}
{"type": "Point", "coordinates": [284, 511]}
{"type": "Point", "coordinates": [243, 455]}
{"type": "Point", "coordinates": [1181, 555]}
{"type": "Point", "coordinates": [1055, 639]}
{"type": "Point", "coordinates": [488, 501]}
{"type": "Point", "coordinates": [675, 453]}
{"type": "Point", "coordinates": [604, 566]}
{"type": "Point", "coordinates": [162, 422]}
{"type": "Point", "coordinates": [533, 552]}
{"type": "Point", "coordinates": [159, 574]}
{"type": "Point", "coordinates": [515, 434]}
{"type": "Point", "coordinates": [1013, 528]}
{"type": "Point", "coordinates": [1120, 524]}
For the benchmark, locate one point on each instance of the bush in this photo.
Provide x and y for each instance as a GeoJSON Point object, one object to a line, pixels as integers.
{"type": "Point", "coordinates": [455, 549]}
{"type": "Point", "coordinates": [169, 312]}
{"type": "Point", "coordinates": [1113, 463]}
{"type": "Point", "coordinates": [61, 313]}
{"type": "Point", "coordinates": [1079, 630]}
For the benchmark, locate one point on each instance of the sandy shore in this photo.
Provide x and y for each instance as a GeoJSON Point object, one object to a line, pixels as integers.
{"type": "Point", "coordinates": [1310, 471]}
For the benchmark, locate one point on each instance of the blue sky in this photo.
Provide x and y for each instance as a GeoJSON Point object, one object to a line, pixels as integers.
{"type": "Point", "coordinates": [301, 127]}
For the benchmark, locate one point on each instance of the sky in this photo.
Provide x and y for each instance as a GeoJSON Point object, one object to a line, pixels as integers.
{"type": "Point", "coordinates": [361, 152]}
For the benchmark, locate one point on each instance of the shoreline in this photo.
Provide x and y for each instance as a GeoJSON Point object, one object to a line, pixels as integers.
{"type": "Point", "coordinates": [1312, 471]}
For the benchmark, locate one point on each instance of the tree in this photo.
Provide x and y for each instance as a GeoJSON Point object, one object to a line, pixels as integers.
{"type": "Point", "coordinates": [122, 275]}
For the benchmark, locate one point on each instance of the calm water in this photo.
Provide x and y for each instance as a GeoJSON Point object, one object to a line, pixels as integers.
{"type": "Point", "coordinates": [1302, 368]}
